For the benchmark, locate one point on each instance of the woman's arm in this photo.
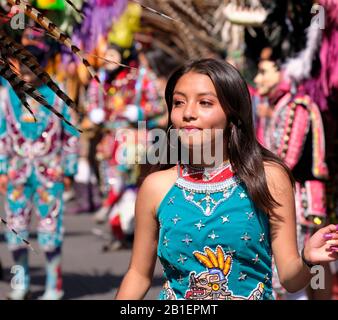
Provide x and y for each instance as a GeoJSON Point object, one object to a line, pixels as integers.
{"type": "Point", "coordinates": [138, 279]}
{"type": "Point", "coordinates": [293, 273]}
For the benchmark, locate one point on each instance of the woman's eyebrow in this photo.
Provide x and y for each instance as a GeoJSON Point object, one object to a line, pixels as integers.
{"type": "Point", "coordinates": [207, 94]}
{"type": "Point", "coordinates": [180, 93]}
{"type": "Point", "coordinates": [199, 94]}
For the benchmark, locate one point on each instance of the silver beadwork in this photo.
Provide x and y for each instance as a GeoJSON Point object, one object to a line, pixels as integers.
{"type": "Point", "coordinates": [213, 235]}
{"type": "Point", "coordinates": [225, 219]}
{"type": "Point", "coordinates": [250, 215]}
{"type": "Point", "coordinates": [246, 237]}
{"type": "Point", "coordinates": [176, 219]}
{"type": "Point", "coordinates": [242, 276]}
{"type": "Point", "coordinates": [256, 259]}
{"type": "Point", "coordinates": [187, 240]}
{"type": "Point", "coordinates": [199, 225]}
{"type": "Point", "coordinates": [165, 241]}
{"type": "Point", "coordinates": [181, 259]}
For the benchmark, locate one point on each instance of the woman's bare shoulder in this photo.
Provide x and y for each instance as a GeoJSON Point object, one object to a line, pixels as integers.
{"type": "Point", "coordinates": [156, 185]}
{"type": "Point", "coordinates": [277, 177]}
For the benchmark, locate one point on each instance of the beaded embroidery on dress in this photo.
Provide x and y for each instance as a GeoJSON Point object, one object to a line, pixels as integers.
{"type": "Point", "coordinates": [214, 243]}
{"type": "Point", "coordinates": [221, 179]}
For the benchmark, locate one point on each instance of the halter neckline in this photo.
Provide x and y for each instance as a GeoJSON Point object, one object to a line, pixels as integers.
{"type": "Point", "coordinates": [206, 175]}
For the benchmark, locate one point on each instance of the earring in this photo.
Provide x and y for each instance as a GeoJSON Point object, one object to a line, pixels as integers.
{"type": "Point", "coordinates": [168, 136]}
{"type": "Point", "coordinates": [170, 127]}
{"type": "Point", "coordinates": [230, 135]}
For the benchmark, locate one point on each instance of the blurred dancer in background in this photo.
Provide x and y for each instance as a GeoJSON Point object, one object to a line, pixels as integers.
{"type": "Point", "coordinates": [37, 161]}
{"type": "Point", "coordinates": [294, 131]}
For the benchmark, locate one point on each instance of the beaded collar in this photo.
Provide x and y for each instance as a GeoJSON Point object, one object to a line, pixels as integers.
{"type": "Point", "coordinates": [206, 180]}
{"type": "Point", "coordinates": [206, 175]}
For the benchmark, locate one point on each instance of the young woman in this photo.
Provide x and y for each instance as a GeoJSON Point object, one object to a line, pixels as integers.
{"type": "Point", "coordinates": [215, 228]}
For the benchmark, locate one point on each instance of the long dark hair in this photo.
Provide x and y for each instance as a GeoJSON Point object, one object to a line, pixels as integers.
{"type": "Point", "coordinates": [246, 155]}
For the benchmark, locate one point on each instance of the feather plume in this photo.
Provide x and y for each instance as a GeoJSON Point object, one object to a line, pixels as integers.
{"type": "Point", "coordinates": [300, 67]}
{"type": "Point", "coordinates": [63, 38]}
{"type": "Point", "coordinates": [9, 46]}
{"type": "Point", "coordinates": [22, 88]}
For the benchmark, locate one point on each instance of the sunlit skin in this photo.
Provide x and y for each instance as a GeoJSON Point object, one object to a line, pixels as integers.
{"type": "Point", "coordinates": [196, 108]}
{"type": "Point", "coordinates": [112, 55]}
{"type": "Point", "coordinates": [267, 78]}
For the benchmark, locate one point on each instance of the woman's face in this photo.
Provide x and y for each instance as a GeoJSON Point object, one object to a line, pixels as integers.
{"type": "Point", "coordinates": [195, 109]}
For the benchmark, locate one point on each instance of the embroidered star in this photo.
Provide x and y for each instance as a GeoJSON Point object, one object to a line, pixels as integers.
{"type": "Point", "coordinates": [256, 259]}
{"type": "Point", "coordinates": [171, 200]}
{"type": "Point", "coordinates": [226, 194]}
{"type": "Point", "coordinates": [180, 279]}
{"type": "Point", "coordinates": [225, 219]}
{"type": "Point", "coordinates": [230, 252]}
{"type": "Point", "coordinates": [176, 219]}
{"type": "Point", "coordinates": [250, 215]}
{"type": "Point", "coordinates": [213, 236]}
{"type": "Point", "coordinates": [171, 267]}
{"type": "Point", "coordinates": [190, 196]}
{"type": "Point", "coordinates": [266, 278]}
{"type": "Point", "coordinates": [181, 259]}
{"type": "Point", "coordinates": [187, 240]}
{"type": "Point", "coordinates": [165, 241]}
{"type": "Point", "coordinates": [261, 237]}
{"type": "Point", "coordinates": [243, 195]}
{"type": "Point", "coordinates": [246, 237]}
{"type": "Point", "coordinates": [199, 225]}
{"type": "Point", "coordinates": [242, 276]}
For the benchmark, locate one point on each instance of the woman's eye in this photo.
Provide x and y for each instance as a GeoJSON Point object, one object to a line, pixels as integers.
{"type": "Point", "coordinates": [206, 103]}
{"type": "Point", "coordinates": [178, 103]}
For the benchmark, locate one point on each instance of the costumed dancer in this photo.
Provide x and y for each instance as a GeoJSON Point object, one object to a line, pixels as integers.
{"type": "Point", "coordinates": [215, 226]}
{"type": "Point", "coordinates": [36, 159]}
{"type": "Point", "coordinates": [315, 68]}
{"type": "Point", "coordinates": [88, 33]}
{"type": "Point", "coordinates": [132, 97]}
{"type": "Point", "coordinates": [294, 131]}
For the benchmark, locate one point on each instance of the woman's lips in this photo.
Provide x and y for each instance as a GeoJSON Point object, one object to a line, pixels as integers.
{"type": "Point", "coordinates": [190, 129]}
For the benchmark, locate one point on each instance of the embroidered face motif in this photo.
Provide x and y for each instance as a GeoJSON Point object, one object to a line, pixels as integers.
{"type": "Point", "coordinates": [213, 284]}
{"type": "Point", "coordinates": [208, 286]}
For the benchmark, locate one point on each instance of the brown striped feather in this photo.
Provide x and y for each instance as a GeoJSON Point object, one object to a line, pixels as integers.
{"type": "Point", "coordinates": [21, 88]}
{"type": "Point", "coordinates": [44, 22]}
{"type": "Point", "coordinates": [26, 58]}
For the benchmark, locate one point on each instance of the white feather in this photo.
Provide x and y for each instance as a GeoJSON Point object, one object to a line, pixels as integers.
{"type": "Point", "coordinates": [299, 68]}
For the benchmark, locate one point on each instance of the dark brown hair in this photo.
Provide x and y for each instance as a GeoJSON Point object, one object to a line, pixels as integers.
{"type": "Point", "coordinates": [246, 155]}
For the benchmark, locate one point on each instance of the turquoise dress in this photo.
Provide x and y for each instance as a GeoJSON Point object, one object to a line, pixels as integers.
{"type": "Point", "coordinates": [214, 244]}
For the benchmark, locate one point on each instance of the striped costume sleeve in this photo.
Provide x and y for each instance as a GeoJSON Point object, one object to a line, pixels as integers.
{"type": "Point", "coordinates": [295, 130]}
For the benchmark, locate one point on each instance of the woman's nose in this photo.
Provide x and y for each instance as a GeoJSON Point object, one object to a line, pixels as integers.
{"type": "Point", "coordinates": [189, 111]}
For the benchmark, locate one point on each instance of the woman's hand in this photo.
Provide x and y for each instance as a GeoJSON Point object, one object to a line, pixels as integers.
{"type": "Point", "coordinates": [323, 245]}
